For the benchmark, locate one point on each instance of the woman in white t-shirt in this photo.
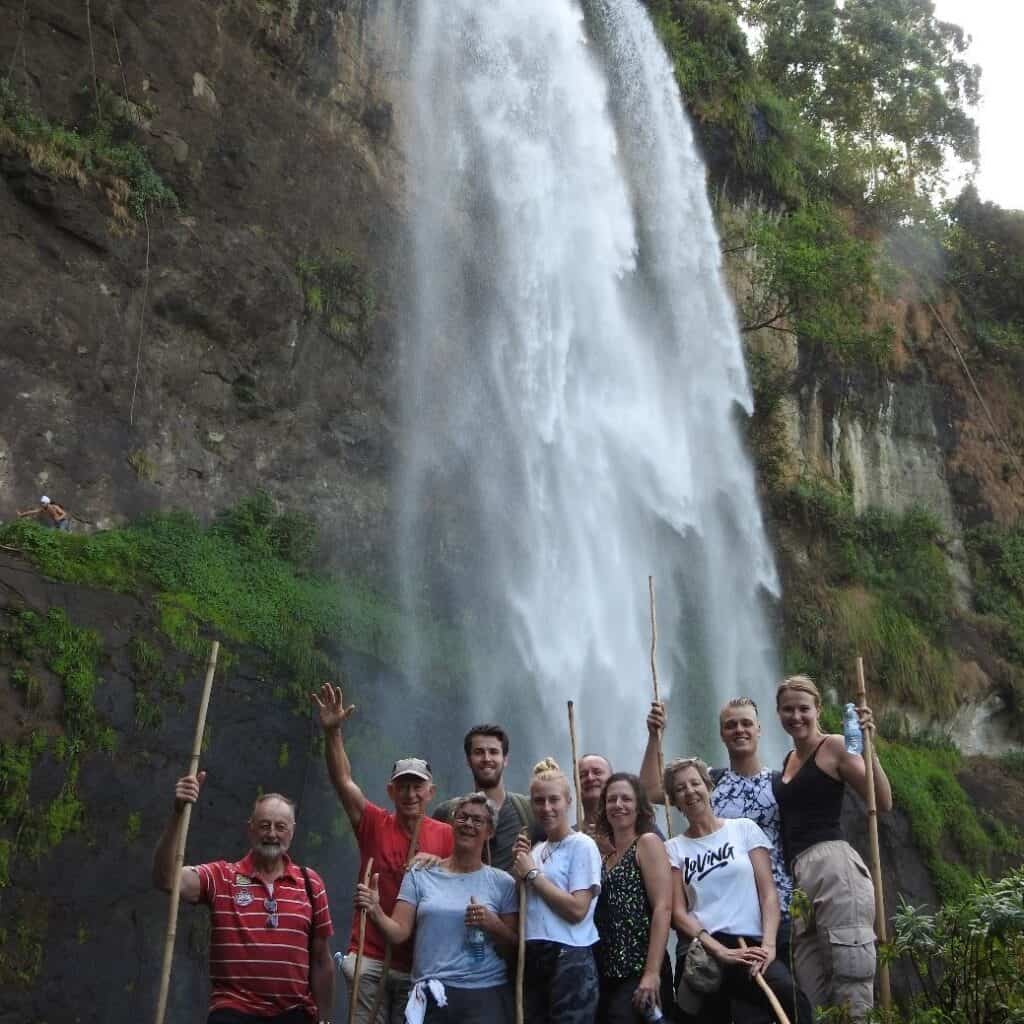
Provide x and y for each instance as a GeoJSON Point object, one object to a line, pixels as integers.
{"type": "Point", "coordinates": [562, 876]}
{"type": "Point", "coordinates": [723, 891]}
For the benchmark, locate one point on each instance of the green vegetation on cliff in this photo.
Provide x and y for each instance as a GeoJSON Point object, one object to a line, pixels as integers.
{"type": "Point", "coordinates": [246, 576]}
{"type": "Point", "coordinates": [104, 154]}
{"type": "Point", "coordinates": [840, 118]}
{"type": "Point", "coordinates": [878, 586]}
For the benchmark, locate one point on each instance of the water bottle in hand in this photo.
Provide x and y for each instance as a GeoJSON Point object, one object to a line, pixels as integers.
{"type": "Point", "coordinates": [476, 941]}
{"type": "Point", "coordinates": [852, 732]}
{"type": "Point", "coordinates": [652, 1013]}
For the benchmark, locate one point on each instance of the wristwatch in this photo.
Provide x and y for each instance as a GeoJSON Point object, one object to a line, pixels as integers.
{"type": "Point", "coordinates": [531, 874]}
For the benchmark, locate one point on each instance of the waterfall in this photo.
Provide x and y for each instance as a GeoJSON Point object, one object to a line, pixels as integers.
{"type": "Point", "coordinates": [573, 383]}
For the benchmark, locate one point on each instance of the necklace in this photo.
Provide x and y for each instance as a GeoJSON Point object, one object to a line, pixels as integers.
{"type": "Point", "coordinates": [549, 849]}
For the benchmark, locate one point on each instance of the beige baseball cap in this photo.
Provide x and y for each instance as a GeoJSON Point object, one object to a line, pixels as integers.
{"type": "Point", "coordinates": [412, 766]}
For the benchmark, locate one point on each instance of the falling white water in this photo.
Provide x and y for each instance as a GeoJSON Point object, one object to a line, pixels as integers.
{"type": "Point", "coordinates": [573, 383]}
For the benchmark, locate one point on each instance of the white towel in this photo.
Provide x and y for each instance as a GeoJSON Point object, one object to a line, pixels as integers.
{"type": "Point", "coordinates": [416, 1008]}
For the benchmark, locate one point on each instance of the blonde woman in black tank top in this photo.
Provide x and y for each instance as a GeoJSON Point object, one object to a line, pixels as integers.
{"type": "Point", "coordinates": [833, 942]}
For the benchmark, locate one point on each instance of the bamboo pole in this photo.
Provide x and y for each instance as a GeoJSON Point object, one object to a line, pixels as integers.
{"type": "Point", "coordinates": [354, 997]}
{"type": "Point", "coordinates": [575, 768]}
{"type": "Point", "coordinates": [521, 948]}
{"type": "Point", "coordinates": [884, 987]}
{"type": "Point", "coordinates": [179, 846]}
{"type": "Point", "coordinates": [378, 999]}
{"type": "Point", "coordinates": [773, 999]}
{"type": "Point", "coordinates": [657, 698]}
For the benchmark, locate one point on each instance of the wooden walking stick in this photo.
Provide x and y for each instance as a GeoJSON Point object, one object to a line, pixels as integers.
{"type": "Point", "coordinates": [884, 988]}
{"type": "Point", "coordinates": [354, 998]}
{"type": "Point", "coordinates": [378, 999]}
{"type": "Point", "coordinates": [773, 999]}
{"type": "Point", "coordinates": [179, 846]}
{"type": "Point", "coordinates": [575, 769]}
{"type": "Point", "coordinates": [657, 697]}
{"type": "Point", "coordinates": [521, 948]}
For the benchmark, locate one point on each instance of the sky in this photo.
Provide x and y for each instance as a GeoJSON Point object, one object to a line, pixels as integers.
{"type": "Point", "coordinates": [997, 31]}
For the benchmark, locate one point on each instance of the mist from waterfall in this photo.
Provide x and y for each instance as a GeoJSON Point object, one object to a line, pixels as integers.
{"type": "Point", "coordinates": [574, 383]}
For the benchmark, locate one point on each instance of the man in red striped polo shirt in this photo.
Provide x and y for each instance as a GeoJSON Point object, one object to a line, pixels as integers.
{"type": "Point", "coordinates": [269, 921]}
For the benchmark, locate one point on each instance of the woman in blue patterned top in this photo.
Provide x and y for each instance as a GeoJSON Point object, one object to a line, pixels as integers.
{"type": "Point", "coordinates": [634, 908]}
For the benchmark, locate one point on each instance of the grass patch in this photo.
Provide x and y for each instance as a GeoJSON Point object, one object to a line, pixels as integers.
{"type": "Point", "coordinates": [925, 788]}
{"type": "Point", "coordinates": [340, 299]}
{"type": "Point", "coordinates": [996, 556]}
{"type": "Point", "coordinates": [72, 654]}
{"type": "Point", "coordinates": [244, 576]}
{"type": "Point", "coordinates": [103, 155]}
{"type": "Point", "coordinates": [878, 586]}
{"type": "Point", "coordinates": [133, 827]}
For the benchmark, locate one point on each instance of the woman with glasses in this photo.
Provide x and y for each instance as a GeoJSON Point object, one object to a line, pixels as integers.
{"type": "Point", "coordinates": [724, 898]}
{"type": "Point", "coordinates": [635, 906]}
{"type": "Point", "coordinates": [461, 910]}
{"type": "Point", "coordinates": [562, 876]}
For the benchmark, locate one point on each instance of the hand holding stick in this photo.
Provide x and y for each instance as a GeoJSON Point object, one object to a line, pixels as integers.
{"type": "Point", "coordinates": [773, 999]}
{"type": "Point", "coordinates": [354, 998]}
{"type": "Point", "coordinates": [575, 769]}
{"type": "Point", "coordinates": [657, 698]}
{"type": "Point", "coordinates": [378, 999]}
{"type": "Point", "coordinates": [884, 987]}
{"type": "Point", "coordinates": [521, 948]}
{"type": "Point", "coordinates": [179, 854]}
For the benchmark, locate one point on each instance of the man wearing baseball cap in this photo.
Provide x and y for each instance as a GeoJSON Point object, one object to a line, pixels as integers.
{"type": "Point", "coordinates": [385, 836]}
{"type": "Point", "coordinates": [49, 510]}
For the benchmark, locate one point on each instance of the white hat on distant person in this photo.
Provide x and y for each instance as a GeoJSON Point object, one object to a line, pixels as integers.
{"type": "Point", "coordinates": [44, 500]}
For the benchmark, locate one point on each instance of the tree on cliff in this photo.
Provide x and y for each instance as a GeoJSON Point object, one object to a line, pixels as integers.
{"type": "Point", "coordinates": [885, 80]}
{"type": "Point", "coordinates": [985, 244]}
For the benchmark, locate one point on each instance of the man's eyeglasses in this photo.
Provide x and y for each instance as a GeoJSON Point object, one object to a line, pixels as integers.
{"type": "Point", "coordinates": [473, 820]}
{"type": "Point", "coordinates": [270, 906]}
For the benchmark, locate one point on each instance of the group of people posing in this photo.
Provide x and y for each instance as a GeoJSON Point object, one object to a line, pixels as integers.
{"type": "Point", "coordinates": [442, 892]}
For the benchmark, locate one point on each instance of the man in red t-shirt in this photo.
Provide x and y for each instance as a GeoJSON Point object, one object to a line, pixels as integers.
{"type": "Point", "coordinates": [269, 921]}
{"type": "Point", "coordinates": [387, 838]}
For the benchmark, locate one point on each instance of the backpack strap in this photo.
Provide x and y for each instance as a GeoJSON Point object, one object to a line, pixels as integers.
{"type": "Point", "coordinates": [312, 913]}
{"type": "Point", "coordinates": [521, 802]}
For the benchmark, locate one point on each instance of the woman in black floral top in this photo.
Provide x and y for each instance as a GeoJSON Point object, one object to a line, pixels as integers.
{"type": "Point", "coordinates": [634, 908]}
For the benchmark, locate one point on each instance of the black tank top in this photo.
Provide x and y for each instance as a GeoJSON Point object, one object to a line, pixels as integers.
{"type": "Point", "coordinates": [810, 804]}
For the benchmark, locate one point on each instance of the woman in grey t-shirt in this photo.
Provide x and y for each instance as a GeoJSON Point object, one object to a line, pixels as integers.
{"type": "Point", "coordinates": [461, 909]}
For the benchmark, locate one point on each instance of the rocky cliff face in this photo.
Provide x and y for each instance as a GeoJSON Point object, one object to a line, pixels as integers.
{"type": "Point", "coordinates": [183, 354]}
{"type": "Point", "coordinates": [242, 339]}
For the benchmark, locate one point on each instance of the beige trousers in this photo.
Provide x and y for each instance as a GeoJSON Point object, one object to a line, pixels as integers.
{"type": "Point", "coordinates": [834, 944]}
{"type": "Point", "coordinates": [396, 995]}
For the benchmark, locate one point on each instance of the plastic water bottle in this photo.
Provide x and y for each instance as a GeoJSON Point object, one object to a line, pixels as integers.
{"type": "Point", "coordinates": [852, 731]}
{"type": "Point", "coordinates": [652, 1012]}
{"type": "Point", "coordinates": [339, 959]}
{"type": "Point", "coordinates": [476, 942]}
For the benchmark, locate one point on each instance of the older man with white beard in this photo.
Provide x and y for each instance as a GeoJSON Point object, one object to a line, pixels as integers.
{"type": "Point", "coordinates": [269, 921]}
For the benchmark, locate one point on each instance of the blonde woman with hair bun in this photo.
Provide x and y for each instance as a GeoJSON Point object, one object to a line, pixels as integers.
{"type": "Point", "coordinates": [562, 877]}
{"type": "Point", "coordinates": [834, 942]}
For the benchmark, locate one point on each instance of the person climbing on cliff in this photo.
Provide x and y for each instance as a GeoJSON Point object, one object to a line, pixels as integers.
{"type": "Point", "coordinates": [486, 748]}
{"type": "Point", "coordinates": [387, 837]}
{"type": "Point", "coordinates": [743, 790]}
{"type": "Point", "coordinates": [265, 905]}
{"type": "Point", "coordinates": [50, 512]}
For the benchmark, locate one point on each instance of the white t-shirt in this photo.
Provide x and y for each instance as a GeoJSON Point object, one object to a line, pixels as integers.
{"type": "Point", "coordinates": [719, 876]}
{"type": "Point", "coordinates": [573, 864]}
